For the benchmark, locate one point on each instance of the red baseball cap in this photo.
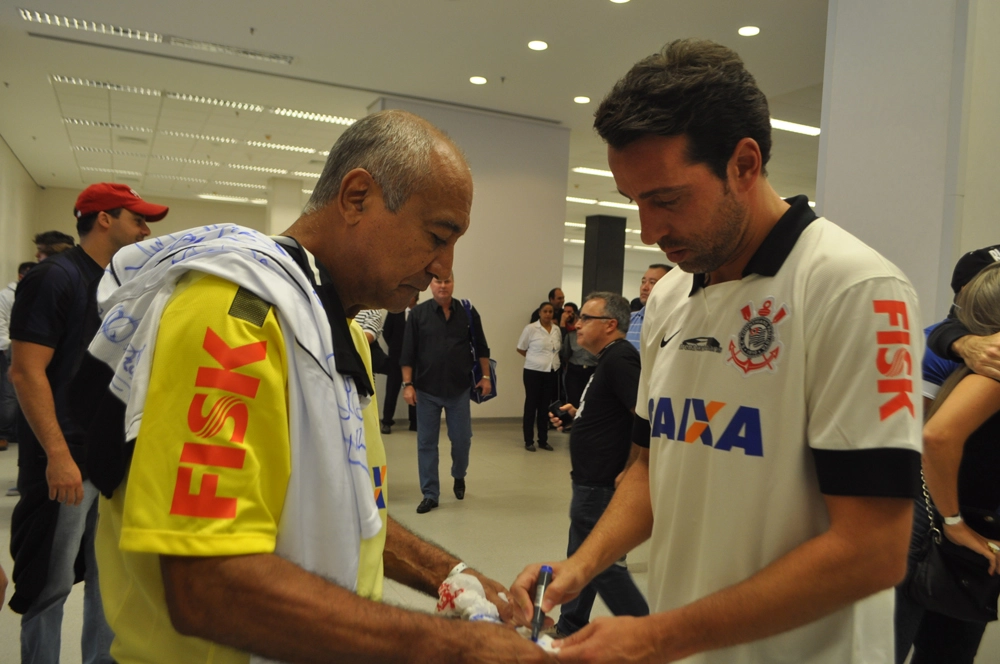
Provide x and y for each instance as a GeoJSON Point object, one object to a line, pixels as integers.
{"type": "Point", "coordinates": [105, 196]}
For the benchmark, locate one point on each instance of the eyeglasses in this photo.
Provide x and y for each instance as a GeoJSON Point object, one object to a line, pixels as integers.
{"type": "Point", "coordinates": [587, 317]}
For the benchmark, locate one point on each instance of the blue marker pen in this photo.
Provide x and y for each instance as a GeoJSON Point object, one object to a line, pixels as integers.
{"type": "Point", "coordinates": [544, 577]}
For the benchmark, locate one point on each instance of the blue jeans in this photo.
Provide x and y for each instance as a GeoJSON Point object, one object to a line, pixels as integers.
{"type": "Point", "coordinates": [459, 421]}
{"type": "Point", "coordinates": [8, 400]}
{"type": "Point", "coordinates": [934, 637]}
{"type": "Point", "coordinates": [41, 624]}
{"type": "Point", "coordinates": [615, 584]}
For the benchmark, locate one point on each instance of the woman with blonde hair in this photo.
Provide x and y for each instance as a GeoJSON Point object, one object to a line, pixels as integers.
{"type": "Point", "coordinates": [961, 463]}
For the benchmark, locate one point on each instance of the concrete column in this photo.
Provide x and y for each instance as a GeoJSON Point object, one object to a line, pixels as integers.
{"type": "Point", "coordinates": [910, 96]}
{"type": "Point", "coordinates": [284, 203]}
{"type": "Point", "coordinates": [604, 254]}
{"type": "Point", "coordinates": [513, 252]}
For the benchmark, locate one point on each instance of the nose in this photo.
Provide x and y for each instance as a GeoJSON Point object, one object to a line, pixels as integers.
{"type": "Point", "coordinates": [442, 263]}
{"type": "Point", "coordinates": [144, 229]}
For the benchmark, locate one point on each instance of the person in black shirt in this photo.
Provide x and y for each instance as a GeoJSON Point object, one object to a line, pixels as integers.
{"type": "Point", "coordinates": [601, 451]}
{"type": "Point", "coordinates": [53, 321]}
{"type": "Point", "coordinates": [394, 332]}
{"type": "Point", "coordinates": [437, 364]}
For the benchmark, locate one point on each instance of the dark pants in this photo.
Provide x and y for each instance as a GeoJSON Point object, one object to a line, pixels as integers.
{"type": "Point", "coordinates": [934, 637]}
{"type": "Point", "coordinates": [8, 401]}
{"type": "Point", "coordinates": [576, 380]}
{"type": "Point", "coordinates": [538, 389]}
{"type": "Point", "coordinates": [615, 584]}
{"type": "Point", "coordinates": [393, 381]}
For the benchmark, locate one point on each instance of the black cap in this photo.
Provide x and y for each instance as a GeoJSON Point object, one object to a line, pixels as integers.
{"type": "Point", "coordinates": [971, 264]}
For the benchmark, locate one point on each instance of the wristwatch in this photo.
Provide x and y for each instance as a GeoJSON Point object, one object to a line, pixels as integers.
{"type": "Point", "coordinates": [953, 520]}
{"type": "Point", "coordinates": [407, 384]}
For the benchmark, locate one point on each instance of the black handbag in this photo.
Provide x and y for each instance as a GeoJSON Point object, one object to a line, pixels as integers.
{"type": "Point", "coordinates": [477, 370]}
{"type": "Point", "coordinates": [951, 579]}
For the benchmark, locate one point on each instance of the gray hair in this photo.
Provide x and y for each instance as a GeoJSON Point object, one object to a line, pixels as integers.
{"type": "Point", "coordinates": [393, 146]}
{"type": "Point", "coordinates": [615, 306]}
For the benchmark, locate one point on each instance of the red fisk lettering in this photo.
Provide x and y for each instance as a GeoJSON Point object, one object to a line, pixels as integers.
{"type": "Point", "coordinates": [230, 358]}
{"type": "Point", "coordinates": [206, 426]}
{"type": "Point", "coordinates": [901, 362]}
{"type": "Point", "coordinates": [205, 503]}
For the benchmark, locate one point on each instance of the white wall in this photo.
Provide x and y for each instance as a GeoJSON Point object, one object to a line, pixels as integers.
{"type": "Point", "coordinates": [17, 209]}
{"type": "Point", "coordinates": [55, 212]}
{"type": "Point", "coordinates": [512, 254]}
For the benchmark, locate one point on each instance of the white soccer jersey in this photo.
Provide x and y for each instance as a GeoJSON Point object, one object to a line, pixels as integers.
{"type": "Point", "coordinates": [763, 394]}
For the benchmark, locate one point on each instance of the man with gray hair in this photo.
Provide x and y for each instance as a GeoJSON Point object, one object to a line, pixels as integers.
{"type": "Point", "coordinates": [253, 518]}
{"type": "Point", "coordinates": [601, 450]}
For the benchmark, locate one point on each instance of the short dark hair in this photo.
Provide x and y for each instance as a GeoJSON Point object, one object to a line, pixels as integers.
{"type": "Point", "coordinates": [23, 268]}
{"type": "Point", "coordinates": [85, 224]}
{"type": "Point", "coordinates": [572, 305]}
{"type": "Point", "coordinates": [552, 293]}
{"type": "Point", "coordinates": [635, 304]}
{"type": "Point", "coordinates": [615, 306]}
{"type": "Point", "coordinates": [662, 266]}
{"type": "Point", "coordinates": [546, 304]}
{"type": "Point", "coordinates": [695, 88]}
{"type": "Point", "coordinates": [51, 243]}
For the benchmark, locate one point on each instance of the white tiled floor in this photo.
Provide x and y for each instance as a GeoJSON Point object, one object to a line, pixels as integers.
{"type": "Point", "coordinates": [514, 512]}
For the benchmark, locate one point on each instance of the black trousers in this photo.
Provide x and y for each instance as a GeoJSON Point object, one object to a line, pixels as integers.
{"type": "Point", "coordinates": [538, 389]}
{"type": "Point", "coordinates": [393, 381]}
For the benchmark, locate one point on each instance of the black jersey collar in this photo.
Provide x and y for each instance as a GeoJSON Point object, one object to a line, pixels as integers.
{"type": "Point", "coordinates": [773, 251]}
{"type": "Point", "coordinates": [345, 353]}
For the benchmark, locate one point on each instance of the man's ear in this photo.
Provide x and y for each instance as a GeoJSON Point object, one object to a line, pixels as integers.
{"type": "Point", "coordinates": [356, 192]}
{"type": "Point", "coordinates": [103, 220]}
{"type": "Point", "coordinates": [745, 164]}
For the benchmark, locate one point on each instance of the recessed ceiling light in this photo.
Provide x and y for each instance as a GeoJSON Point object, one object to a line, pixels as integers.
{"type": "Point", "coordinates": [258, 201]}
{"type": "Point", "coordinates": [72, 80]}
{"type": "Point", "coordinates": [308, 192]}
{"type": "Point", "coordinates": [237, 105]}
{"type": "Point", "coordinates": [585, 201]}
{"type": "Point", "coordinates": [89, 26]}
{"type": "Point", "coordinates": [575, 241]}
{"type": "Point", "coordinates": [200, 137]}
{"type": "Point", "coordinates": [279, 146]}
{"type": "Point", "coordinates": [582, 100]}
{"type": "Point", "coordinates": [477, 80]}
{"type": "Point", "coordinates": [795, 127]}
{"type": "Point", "coordinates": [619, 2]}
{"type": "Point", "coordinates": [749, 31]}
{"type": "Point", "coordinates": [179, 178]}
{"type": "Point", "coordinates": [106, 125]}
{"type": "Point", "coordinates": [227, 199]}
{"type": "Point", "coordinates": [306, 174]}
{"type": "Point", "coordinates": [642, 248]}
{"type": "Point", "coordinates": [537, 45]}
{"type": "Point", "coordinates": [259, 169]}
{"type": "Point", "coordinates": [573, 224]}
{"type": "Point", "coordinates": [316, 117]}
{"type": "Point", "coordinates": [245, 185]}
{"type": "Point", "coordinates": [229, 50]}
{"type": "Point", "coordinates": [623, 206]}
{"type": "Point", "coordinates": [142, 155]}
{"type": "Point", "coordinates": [110, 170]}
{"type": "Point", "coordinates": [593, 171]}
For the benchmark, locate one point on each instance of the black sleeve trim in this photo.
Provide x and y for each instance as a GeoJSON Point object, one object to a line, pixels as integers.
{"type": "Point", "coordinates": [889, 472]}
{"type": "Point", "coordinates": [944, 335]}
{"type": "Point", "coordinates": [641, 431]}
{"type": "Point", "coordinates": [32, 337]}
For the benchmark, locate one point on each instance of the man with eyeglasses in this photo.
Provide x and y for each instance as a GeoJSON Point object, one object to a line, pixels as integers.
{"type": "Point", "coordinates": [601, 450]}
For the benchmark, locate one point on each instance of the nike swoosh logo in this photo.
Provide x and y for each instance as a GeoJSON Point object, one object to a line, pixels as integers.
{"type": "Point", "coordinates": [666, 340]}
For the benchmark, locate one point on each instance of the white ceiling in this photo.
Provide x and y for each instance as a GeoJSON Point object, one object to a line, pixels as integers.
{"type": "Point", "coordinates": [344, 56]}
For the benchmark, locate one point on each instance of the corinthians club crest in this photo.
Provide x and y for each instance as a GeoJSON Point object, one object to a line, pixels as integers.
{"type": "Point", "coordinates": [756, 347]}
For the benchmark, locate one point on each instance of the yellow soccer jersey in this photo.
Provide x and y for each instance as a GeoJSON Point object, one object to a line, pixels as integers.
{"type": "Point", "coordinates": [211, 463]}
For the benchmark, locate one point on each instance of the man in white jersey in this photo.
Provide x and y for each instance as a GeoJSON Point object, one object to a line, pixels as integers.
{"type": "Point", "coordinates": [775, 406]}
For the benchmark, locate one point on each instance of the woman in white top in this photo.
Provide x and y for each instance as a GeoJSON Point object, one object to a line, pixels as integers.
{"type": "Point", "coordinates": [539, 344]}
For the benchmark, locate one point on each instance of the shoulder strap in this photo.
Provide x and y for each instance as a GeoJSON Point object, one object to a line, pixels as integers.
{"type": "Point", "coordinates": [472, 339]}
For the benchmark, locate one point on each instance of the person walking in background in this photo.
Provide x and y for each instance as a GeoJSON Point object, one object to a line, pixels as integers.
{"type": "Point", "coordinates": [394, 331]}
{"type": "Point", "coordinates": [539, 344]}
{"type": "Point", "coordinates": [8, 400]}
{"type": "Point", "coordinates": [436, 362]}
{"type": "Point", "coordinates": [54, 522]}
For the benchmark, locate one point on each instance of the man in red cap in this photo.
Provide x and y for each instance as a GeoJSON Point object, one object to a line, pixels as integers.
{"type": "Point", "coordinates": [52, 322]}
